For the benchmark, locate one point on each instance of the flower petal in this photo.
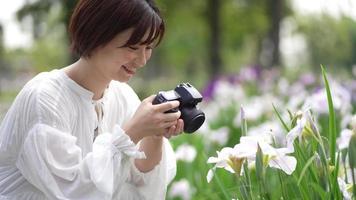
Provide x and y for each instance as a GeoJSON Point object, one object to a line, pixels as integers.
{"type": "Point", "coordinates": [285, 163]}
{"type": "Point", "coordinates": [210, 175]}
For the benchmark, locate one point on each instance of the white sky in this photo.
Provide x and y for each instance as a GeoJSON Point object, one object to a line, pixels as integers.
{"type": "Point", "coordinates": [333, 7]}
{"type": "Point", "coordinates": [15, 37]}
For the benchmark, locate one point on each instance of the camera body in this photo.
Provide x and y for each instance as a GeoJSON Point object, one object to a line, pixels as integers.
{"type": "Point", "coordinates": [188, 98]}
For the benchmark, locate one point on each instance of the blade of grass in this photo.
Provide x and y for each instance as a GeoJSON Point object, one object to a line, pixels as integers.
{"type": "Point", "coordinates": [242, 187]}
{"type": "Point", "coordinates": [260, 171]}
{"type": "Point", "coordinates": [304, 188]}
{"type": "Point", "coordinates": [332, 122]}
{"type": "Point", "coordinates": [248, 179]}
{"type": "Point", "coordinates": [309, 162]}
{"type": "Point", "coordinates": [261, 174]}
{"type": "Point", "coordinates": [226, 195]}
{"type": "Point", "coordinates": [284, 194]}
{"type": "Point", "coordinates": [319, 190]}
{"type": "Point", "coordinates": [352, 161]}
{"type": "Point", "coordinates": [280, 119]}
{"type": "Point", "coordinates": [301, 157]}
{"type": "Point", "coordinates": [335, 184]}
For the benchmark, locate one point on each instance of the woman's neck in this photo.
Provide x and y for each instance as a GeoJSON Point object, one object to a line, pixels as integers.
{"type": "Point", "coordinates": [86, 74]}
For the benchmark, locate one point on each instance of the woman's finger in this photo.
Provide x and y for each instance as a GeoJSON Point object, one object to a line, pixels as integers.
{"type": "Point", "coordinates": [163, 107]}
{"type": "Point", "coordinates": [180, 125]}
{"type": "Point", "coordinates": [170, 132]}
{"type": "Point", "coordinates": [171, 116]}
{"type": "Point", "coordinates": [168, 124]}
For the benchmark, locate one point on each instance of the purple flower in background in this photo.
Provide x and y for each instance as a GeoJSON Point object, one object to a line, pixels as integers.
{"type": "Point", "coordinates": [251, 73]}
{"type": "Point", "coordinates": [268, 80]}
{"type": "Point", "coordinates": [307, 79]}
{"type": "Point", "coordinates": [351, 87]}
{"type": "Point", "coordinates": [208, 91]}
{"type": "Point", "coordinates": [340, 95]}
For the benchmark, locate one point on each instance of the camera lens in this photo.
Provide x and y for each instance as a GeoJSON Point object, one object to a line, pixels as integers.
{"type": "Point", "coordinates": [193, 119]}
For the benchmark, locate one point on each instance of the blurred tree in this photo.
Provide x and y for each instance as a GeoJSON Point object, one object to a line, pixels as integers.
{"type": "Point", "coordinates": [184, 50]}
{"type": "Point", "coordinates": [39, 11]}
{"type": "Point", "coordinates": [350, 25]}
{"type": "Point", "coordinates": [330, 41]}
{"type": "Point", "coordinates": [50, 47]}
{"type": "Point", "coordinates": [214, 18]}
{"type": "Point", "coordinates": [276, 13]}
{"type": "Point", "coordinates": [244, 25]}
{"type": "Point", "coordinates": [67, 9]}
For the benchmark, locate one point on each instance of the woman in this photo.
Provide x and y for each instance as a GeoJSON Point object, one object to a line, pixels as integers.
{"type": "Point", "coordinates": [81, 132]}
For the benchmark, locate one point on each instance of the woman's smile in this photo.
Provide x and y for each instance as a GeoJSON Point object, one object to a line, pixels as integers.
{"type": "Point", "coordinates": [128, 70]}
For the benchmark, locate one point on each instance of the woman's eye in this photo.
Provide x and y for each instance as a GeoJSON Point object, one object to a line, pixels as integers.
{"type": "Point", "coordinates": [133, 48]}
{"type": "Point", "coordinates": [149, 47]}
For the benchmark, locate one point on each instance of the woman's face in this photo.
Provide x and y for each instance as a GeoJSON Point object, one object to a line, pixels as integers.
{"type": "Point", "coordinates": [115, 62]}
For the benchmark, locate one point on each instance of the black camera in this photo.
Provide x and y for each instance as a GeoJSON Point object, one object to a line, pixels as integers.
{"type": "Point", "coordinates": [188, 98]}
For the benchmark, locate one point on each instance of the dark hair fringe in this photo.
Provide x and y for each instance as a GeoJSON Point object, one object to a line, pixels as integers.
{"type": "Point", "coordinates": [95, 23]}
{"type": "Point", "coordinates": [152, 23]}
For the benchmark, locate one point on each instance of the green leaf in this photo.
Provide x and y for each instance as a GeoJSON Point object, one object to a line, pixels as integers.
{"type": "Point", "coordinates": [280, 119]}
{"type": "Point", "coordinates": [335, 184]}
{"type": "Point", "coordinates": [259, 163]}
{"type": "Point", "coordinates": [260, 173]}
{"type": "Point", "coordinates": [248, 179]}
{"type": "Point", "coordinates": [332, 122]}
{"type": "Point", "coordinates": [309, 162]}
{"type": "Point", "coordinates": [319, 190]}
{"type": "Point", "coordinates": [352, 160]}
{"type": "Point", "coordinates": [352, 151]}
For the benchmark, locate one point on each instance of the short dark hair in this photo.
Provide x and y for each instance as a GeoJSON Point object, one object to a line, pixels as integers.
{"type": "Point", "coordinates": [94, 23]}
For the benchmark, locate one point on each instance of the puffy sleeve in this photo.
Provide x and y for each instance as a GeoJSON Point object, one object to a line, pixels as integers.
{"type": "Point", "coordinates": [51, 160]}
{"type": "Point", "coordinates": [157, 180]}
{"type": "Point", "coordinates": [153, 184]}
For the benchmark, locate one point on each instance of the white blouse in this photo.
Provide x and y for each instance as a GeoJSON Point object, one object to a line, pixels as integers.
{"type": "Point", "coordinates": [47, 149]}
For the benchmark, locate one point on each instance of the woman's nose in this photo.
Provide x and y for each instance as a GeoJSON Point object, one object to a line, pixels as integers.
{"type": "Point", "coordinates": [141, 58]}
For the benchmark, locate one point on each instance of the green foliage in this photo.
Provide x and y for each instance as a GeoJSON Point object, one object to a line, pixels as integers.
{"type": "Point", "coordinates": [330, 41]}
{"type": "Point", "coordinates": [352, 160]}
{"type": "Point", "coordinates": [244, 24]}
{"type": "Point", "coordinates": [47, 55]}
{"type": "Point", "coordinates": [185, 43]}
{"type": "Point", "coordinates": [332, 122]}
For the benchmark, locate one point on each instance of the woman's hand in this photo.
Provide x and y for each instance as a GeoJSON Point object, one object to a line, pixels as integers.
{"type": "Point", "coordinates": [151, 120]}
{"type": "Point", "coordinates": [175, 129]}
